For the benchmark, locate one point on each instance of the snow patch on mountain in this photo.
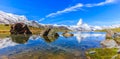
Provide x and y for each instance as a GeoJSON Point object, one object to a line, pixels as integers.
{"type": "Point", "coordinates": [80, 26]}
{"type": "Point", "coordinates": [79, 22]}
{"type": "Point", "coordinates": [9, 18]}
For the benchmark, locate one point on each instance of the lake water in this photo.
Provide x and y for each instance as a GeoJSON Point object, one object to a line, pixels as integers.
{"type": "Point", "coordinates": [36, 47]}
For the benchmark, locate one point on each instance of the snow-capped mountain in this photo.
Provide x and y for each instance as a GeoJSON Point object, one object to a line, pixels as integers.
{"type": "Point", "coordinates": [9, 18]}
{"type": "Point", "coordinates": [80, 26]}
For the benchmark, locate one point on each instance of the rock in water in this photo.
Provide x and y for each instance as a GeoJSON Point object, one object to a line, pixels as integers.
{"type": "Point", "coordinates": [66, 34]}
{"type": "Point", "coordinates": [46, 32]}
{"type": "Point", "coordinates": [49, 35]}
{"type": "Point", "coordinates": [50, 38]}
{"type": "Point", "coordinates": [20, 28]}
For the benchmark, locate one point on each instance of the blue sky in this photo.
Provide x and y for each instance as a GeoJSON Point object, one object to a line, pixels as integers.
{"type": "Point", "coordinates": [67, 12]}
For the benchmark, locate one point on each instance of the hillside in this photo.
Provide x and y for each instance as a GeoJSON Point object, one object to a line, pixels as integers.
{"type": "Point", "coordinates": [113, 29]}
{"type": "Point", "coordinates": [4, 29]}
{"type": "Point", "coordinates": [6, 19]}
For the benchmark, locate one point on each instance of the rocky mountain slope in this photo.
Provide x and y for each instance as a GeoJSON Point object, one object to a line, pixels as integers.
{"type": "Point", "coordinates": [9, 18]}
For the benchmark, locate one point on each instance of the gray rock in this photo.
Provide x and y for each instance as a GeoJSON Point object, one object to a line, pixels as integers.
{"type": "Point", "coordinates": [92, 52]}
{"type": "Point", "coordinates": [118, 51]}
{"type": "Point", "coordinates": [109, 43]}
{"type": "Point", "coordinates": [66, 34]}
{"type": "Point", "coordinates": [116, 35]}
{"type": "Point", "coordinates": [46, 32]}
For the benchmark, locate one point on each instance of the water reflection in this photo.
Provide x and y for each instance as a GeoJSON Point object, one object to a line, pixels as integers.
{"type": "Point", "coordinates": [6, 42]}
{"type": "Point", "coordinates": [80, 35]}
{"type": "Point", "coordinates": [40, 47]}
{"type": "Point", "coordinates": [20, 39]}
{"type": "Point", "coordinates": [13, 40]}
{"type": "Point", "coordinates": [50, 38]}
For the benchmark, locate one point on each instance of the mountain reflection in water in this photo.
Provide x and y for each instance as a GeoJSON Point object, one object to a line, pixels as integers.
{"type": "Point", "coordinates": [36, 47]}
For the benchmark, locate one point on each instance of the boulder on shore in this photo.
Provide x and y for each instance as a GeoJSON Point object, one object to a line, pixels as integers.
{"type": "Point", "coordinates": [109, 43]}
{"type": "Point", "coordinates": [116, 35]}
{"type": "Point", "coordinates": [109, 34]}
{"type": "Point", "coordinates": [20, 28]}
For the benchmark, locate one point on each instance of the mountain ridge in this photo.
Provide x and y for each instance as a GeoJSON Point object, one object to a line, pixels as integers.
{"type": "Point", "coordinates": [9, 18]}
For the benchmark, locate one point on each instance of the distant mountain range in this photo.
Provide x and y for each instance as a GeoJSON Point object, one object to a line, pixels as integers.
{"type": "Point", "coordinates": [80, 26]}
{"type": "Point", "coordinates": [9, 18]}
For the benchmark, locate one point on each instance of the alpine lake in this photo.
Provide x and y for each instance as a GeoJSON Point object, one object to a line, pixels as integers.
{"type": "Point", "coordinates": [83, 45]}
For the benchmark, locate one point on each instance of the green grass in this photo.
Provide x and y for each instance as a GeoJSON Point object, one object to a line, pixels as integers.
{"type": "Point", "coordinates": [105, 30]}
{"type": "Point", "coordinates": [5, 29]}
{"type": "Point", "coordinates": [102, 53]}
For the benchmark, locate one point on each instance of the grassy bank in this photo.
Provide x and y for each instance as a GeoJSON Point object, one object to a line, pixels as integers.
{"type": "Point", "coordinates": [105, 30]}
{"type": "Point", "coordinates": [5, 29]}
{"type": "Point", "coordinates": [103, 53]}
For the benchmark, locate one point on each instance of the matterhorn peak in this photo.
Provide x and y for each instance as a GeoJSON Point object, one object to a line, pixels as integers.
{"type": "Point", "coordinates": [79, 22]}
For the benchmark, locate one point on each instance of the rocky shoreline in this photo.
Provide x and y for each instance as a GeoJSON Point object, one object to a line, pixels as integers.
{"type": "Point", "coordinates": [110, 47]}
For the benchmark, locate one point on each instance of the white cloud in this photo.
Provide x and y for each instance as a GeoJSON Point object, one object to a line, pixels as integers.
{"type": "Point", "coordinates": [100, 4]}
{"type": "Point", "coordinates": [41, 19]}
{"type": "Point", "coordinates": [77, 7]}
{"type": "Point", "coordinates": [73, 8]}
